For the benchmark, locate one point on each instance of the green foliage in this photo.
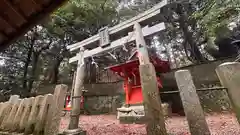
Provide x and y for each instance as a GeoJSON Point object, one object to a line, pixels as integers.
{"type": "Point", "coordinates": [83, 18]}
{"type": "Point", "coordinates": [214, 15]}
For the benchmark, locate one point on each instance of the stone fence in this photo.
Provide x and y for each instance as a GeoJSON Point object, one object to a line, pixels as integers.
{"type": "Point", "coordinates": [39, 115]}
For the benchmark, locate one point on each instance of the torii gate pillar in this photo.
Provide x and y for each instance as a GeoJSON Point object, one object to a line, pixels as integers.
{"type": "Point", "coordinates": [73, 128]}
{"type": "Point", "coordinates": [151, 99]}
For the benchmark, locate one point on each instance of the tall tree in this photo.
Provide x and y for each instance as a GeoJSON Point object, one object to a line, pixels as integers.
{"type": "Point", "coordinates": [213, 17]}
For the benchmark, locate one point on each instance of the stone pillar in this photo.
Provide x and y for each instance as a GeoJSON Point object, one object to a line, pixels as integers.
{"type": "Point", "coordinates": [229, 76]}
{"type": "Point", "coordinates": [55, 111]}
{"type": "Point", "coordinates": [76, 98]}
{"type": "Point", "coordinates": [42, 116]}
{"type": "Point", "coordinates": [4, 107]}
{"type": "Point", "coordinates": [12, 114]}
{"type": "Point", "coordinates": [26, 113]}
{"type": "Point", "coordinates": [19, 114]}
{"type": "Point", "coordinates": [191, 104]}
{"type": "Point", "coordinates": [151, 97]}
{"type": "Point", "coordinates": [4, 114]}
{"type": "Point", "coordinates": [32, 120]}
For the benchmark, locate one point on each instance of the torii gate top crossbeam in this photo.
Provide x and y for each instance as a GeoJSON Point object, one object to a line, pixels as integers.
{"type": "Point", "coordinates": [146, 32]}
{"type": "Point", "coordinates": [149, 15]}
{"type": "Point", "coordinates": [124, 25]}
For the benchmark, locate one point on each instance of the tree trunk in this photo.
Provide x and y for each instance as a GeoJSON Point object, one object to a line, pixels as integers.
{"type": "Point", "coordinates": [26, 65]}
{"type": "Point", "coordinates": [55, 71]}
{"type": "Point", "coordinates": [188, 35]}
{"type": "Point", "coordinates": [33, 71]}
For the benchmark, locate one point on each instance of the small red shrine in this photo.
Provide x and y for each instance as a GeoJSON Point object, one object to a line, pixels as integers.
{"type": "Point", "coordinates": [132, 83]}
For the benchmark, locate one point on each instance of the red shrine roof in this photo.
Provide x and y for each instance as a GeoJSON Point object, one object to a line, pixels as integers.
{"type": "Point", "coordinates": [132, 66]}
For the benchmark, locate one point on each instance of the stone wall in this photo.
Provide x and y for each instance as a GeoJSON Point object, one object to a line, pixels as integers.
{"type": "Point", "coordinates": [202, 74]}
{"type": "Point", "coordinates": [103, 104]}
{"type": "Point", "coordinates": [104, 89]}
{"type": "Point", "coordinates": [215, 101]}
{"type": "Point", "coordinates": [103, 97]}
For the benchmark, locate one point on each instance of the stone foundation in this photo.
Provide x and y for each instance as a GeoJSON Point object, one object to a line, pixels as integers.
{"type": "Point", "coordinates": [136, 114]}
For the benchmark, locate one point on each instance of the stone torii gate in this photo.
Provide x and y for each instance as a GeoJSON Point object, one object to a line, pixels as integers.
{"type": "Point", "coordinates": [135, 29]}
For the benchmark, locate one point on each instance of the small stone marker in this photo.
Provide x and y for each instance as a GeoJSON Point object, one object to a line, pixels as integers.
{"type": "Point", "coordinates": [33, 115]}
{"type": "Point", "coordinates": [54, 114]}
{"type": "Point", "coordinates": [26, 113]}
{"type": "Point", "coordinates": [42, 117]}
{"type": "Point", "coordinates": [229, 76]}
{"type": "Point", "coordinates": [191, 104]}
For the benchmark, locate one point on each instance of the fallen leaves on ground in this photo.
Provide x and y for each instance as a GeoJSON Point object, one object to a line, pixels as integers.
{"type": "Point", "coordinates": [219, 124]}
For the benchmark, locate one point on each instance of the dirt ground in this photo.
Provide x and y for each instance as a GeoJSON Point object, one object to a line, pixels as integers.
{"type": "Point", "coordinates": [219, 124]}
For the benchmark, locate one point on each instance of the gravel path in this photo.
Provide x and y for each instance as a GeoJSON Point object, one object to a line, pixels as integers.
{"type": "Point", "coordinates": [219, 124]}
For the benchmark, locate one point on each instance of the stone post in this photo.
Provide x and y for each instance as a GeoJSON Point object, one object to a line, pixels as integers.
{"type": "Point", "coordinates": [151, 97]}
{"type": "Point", "coordinates": [191, 104]}
{"type": "Point", "coordinates": [32, 120]}
{"type": "Point", "coordinates": [42, 116]}
{"type": "Point", "coordinates": [229, 76]}
{"type": "Point", "coordinates": [19, 114]}
{"type": "Point", "coordinates": [5, 111]}
{"type": "Point", "coordinates": [76, 98]}
{"type": "Point", "coordinates": [4, 107]}
{"type": "Point", "coordinates": [12, 114]}
{"type": "Point", "coordinates": [55, 111]}
{"type": "Point", "coordinates": [26, 113]}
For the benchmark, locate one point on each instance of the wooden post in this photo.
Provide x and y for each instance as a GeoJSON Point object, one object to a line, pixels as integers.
{"type": "Point", "coordinates": [152, 102]}
{"type": "Point", "coordinates": [128, 88]}
{"type": "Point", "coordinates": [191, 104]}
{"type": "Point", "coordinates": [229, 75]}
{"type": "Point", "coordinates": [76, 99]}
{"type": "Point", "coordinates": [55, 110]}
